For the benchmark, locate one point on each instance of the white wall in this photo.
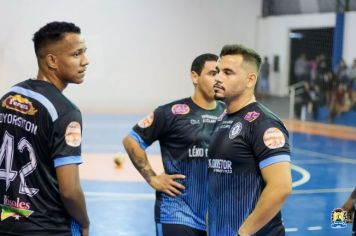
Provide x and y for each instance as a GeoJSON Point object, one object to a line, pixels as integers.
{"type": "Point", "coordinates": [349, 50]}
{"type": "Point", "coordinates": [140, 50]}
{"type": "Point", "coordinates": [272, 34]}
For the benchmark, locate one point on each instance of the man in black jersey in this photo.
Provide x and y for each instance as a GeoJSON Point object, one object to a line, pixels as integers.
{"type": "Point", "coordinates": [249, 156]}
{"type": "Point", "coordinates": [40, 142]}
{"type": "Point", "coordinates": [183, 129]}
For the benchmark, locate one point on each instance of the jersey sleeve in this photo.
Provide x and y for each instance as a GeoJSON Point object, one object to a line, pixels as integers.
{"type": "Point", "coordinates": [270, 142]}
{"type": "Point", "coordinates": [67, 139]}
{"type": "Point", "coordinates": [150, 128]}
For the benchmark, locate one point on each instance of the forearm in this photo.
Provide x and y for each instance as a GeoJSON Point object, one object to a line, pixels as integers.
{"type": "Point", "coordinates": [353, 195]}
{"type": "Point", "coordinates": [139, 159]}
{"type": "Point", "coordinates": [76, 207]}
{"type": "Point", "coordinates": [350, 202]}
{"type": "Point", "coordinates": [269, 204]}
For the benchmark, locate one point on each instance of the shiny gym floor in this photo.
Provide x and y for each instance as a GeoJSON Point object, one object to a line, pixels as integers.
{"type": "Point", "coordinates": [121, 203]}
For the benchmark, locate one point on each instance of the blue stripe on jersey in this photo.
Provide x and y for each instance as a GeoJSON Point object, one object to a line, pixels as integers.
{"type": "Point", "coordinates": [159, 230]}
{"type": "Point", "coordinates": [67, 160]}
{"type": "Point", "coordinates": [274, 159]}
{"type": "Point", "coordinates": [40, 98]}
{"type": "Point", "coordinates": [138, 138]}
{"type": "Point", "coordinates": [75, 228]}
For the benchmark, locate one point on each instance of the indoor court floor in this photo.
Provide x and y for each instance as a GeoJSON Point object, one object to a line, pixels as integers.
{"type": "Point", "coordinates": [120, 203]}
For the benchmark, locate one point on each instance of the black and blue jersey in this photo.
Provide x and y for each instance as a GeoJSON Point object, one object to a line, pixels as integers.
{"type": "Point", "coordinates": [242, 144]}
{"type": "Point", "coordinates": [40, 129]}
{"type": "Point", "coordinates": [183, 130]}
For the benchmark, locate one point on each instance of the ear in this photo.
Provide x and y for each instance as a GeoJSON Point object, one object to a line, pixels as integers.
{"type": "Point", "coordinates": [252, 80]}
{"type": "Point", "coordinates": [194, 77]}
{"type": "Point", "coordinates": [51, 61]}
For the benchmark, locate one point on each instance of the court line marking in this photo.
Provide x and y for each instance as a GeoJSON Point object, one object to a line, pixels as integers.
{"type": "Point", "coordinates": [122, 196]}
{"type": "Point", "coordinates": [291, 229]}
{"type": "Point", "coordinates": [150, 196]}
{"type": "Point", "coordinates": [312, 162]}
{"type": "Point", "coordinates": [325, 156]}
{"type": "Point", "coordinates": [312, 228]}
{"type": "Point", "coordinates": [324, 190]}
{"type": "Point", "coordinates": [305, 175]}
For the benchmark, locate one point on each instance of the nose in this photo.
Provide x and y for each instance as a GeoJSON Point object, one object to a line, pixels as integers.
{"type": "Point", "coordinates": [217, 77]}
{"type": "Point", "coordinates": [85, 60]}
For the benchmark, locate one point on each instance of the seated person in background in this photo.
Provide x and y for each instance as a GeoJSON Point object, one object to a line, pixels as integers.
{"type": "Point", "coordinates": [340, 101]}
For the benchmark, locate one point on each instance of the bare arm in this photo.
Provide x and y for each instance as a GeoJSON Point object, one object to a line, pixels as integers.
{"type": "Point", "coordinates": [164, 183]}
{"type": "Point", "coordinates": [278, 186]}
{"type": "Point", "coordinates": [72, 194]}
{"type": "Point", "coordinates": [349, 205]}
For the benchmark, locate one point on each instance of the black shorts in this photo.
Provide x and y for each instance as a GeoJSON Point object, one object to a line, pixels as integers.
{"type": "Point", "coordinates": [177, 230]}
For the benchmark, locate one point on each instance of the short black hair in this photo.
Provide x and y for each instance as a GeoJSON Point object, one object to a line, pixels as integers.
{"type": "Point", "coordinates": [199, 62]}
{"type": "Point", "coordinates": [52, 32]}
{"type": "Point", "coordinates": [247, 54]}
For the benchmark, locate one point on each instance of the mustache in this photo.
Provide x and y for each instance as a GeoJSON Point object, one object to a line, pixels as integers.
{"type": "Point", "coordinates": [218, 85]}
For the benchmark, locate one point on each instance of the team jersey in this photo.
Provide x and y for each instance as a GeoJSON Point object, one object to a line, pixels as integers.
{"type": "Point", "coordinates": [242, 144]}
{"type": "Point", "coordinates": [183, 130]}
{"type": "Point", "coordinates": [40, 129]}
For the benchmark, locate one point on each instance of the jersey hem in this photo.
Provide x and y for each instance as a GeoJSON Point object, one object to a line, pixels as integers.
{"type": "Point", "coordinates": [181, 223]}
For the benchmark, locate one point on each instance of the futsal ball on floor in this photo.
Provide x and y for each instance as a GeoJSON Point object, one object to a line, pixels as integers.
{"type": "Point", "coordinates": [119, 159]}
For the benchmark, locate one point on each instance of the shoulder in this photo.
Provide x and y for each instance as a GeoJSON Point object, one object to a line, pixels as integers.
{"type": "Point", "coordinates": [48, 96]}
{"type": "Point", "coordinates": [260, 116]}
{"type": "Point", "coordinates": [177, 107]}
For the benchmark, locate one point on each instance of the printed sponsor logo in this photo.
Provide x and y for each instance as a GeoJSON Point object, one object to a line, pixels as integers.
{"type": "Point", "coordinates": [180, 109]}
{"type": "Point", "coordinates": [19, 122]}
{"type": "Point", "coordinates": [235, 130]}
{"type": "Point", "coordinates": [147, 121]}
{"type": "Point", "coordinates": [274, 138]}
{"type": "Point", "coordinates": [197, 152]}
{"type": "Point", "coordinates": [338, 218]}
{"type": "Point", "coordinates": [14, 208]}
{"type": "Point", "coordinates": [73, 135]}
{"type": "Point", "coordinates": [220, 166]}
{"type": "Point", "coordinates": [251, 116]}
{"type": "Point", "coordinates": [209, 119]}
{"type": "Point", "coordinates": [19, 104]}
{"type": "Point", "coordinates": [226, 124]}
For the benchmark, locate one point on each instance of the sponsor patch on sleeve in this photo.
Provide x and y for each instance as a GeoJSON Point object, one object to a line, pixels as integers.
{"type": "Point", "coordinates": [274, 138]}
{"type": "Point", "coordinates": [147, 121]}
{"type": "Point", "coordinates": [19, 104]}
{"type": "Point", "coordinates": [251, 116]}
{"type": "Point", "coordinates": [73, 135]}
{"type": "Point", "coordinates": [180, 109]}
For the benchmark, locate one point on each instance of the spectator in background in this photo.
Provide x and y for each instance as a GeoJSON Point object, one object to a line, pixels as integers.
{"type": "Point", "coordinates": [340, 101]}
{"type": "Point", "coordinates": [322, 67]}
{"type": "Point", "coordinates": [263, 83]}
{"type": "Point", "coordinates": [325, 84]}
{"type": "Point", "coordinates": [316, 100]}
{"type": "Point", "coordinates": [341, 72]}
{"type": "Point", "coordinates": [352, 71]}
{"type": "Point", "coordinates": [313, 64]}
{"type": "Point", "coordinates": [301, 68]}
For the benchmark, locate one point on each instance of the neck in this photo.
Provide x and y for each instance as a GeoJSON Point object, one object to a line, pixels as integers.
{"type": "Point", "coordinates": [52, 79]}
{"type": "Point", "coordinates": [238, 104]}
{"type": "Point", "coordinates": [203, 102]}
